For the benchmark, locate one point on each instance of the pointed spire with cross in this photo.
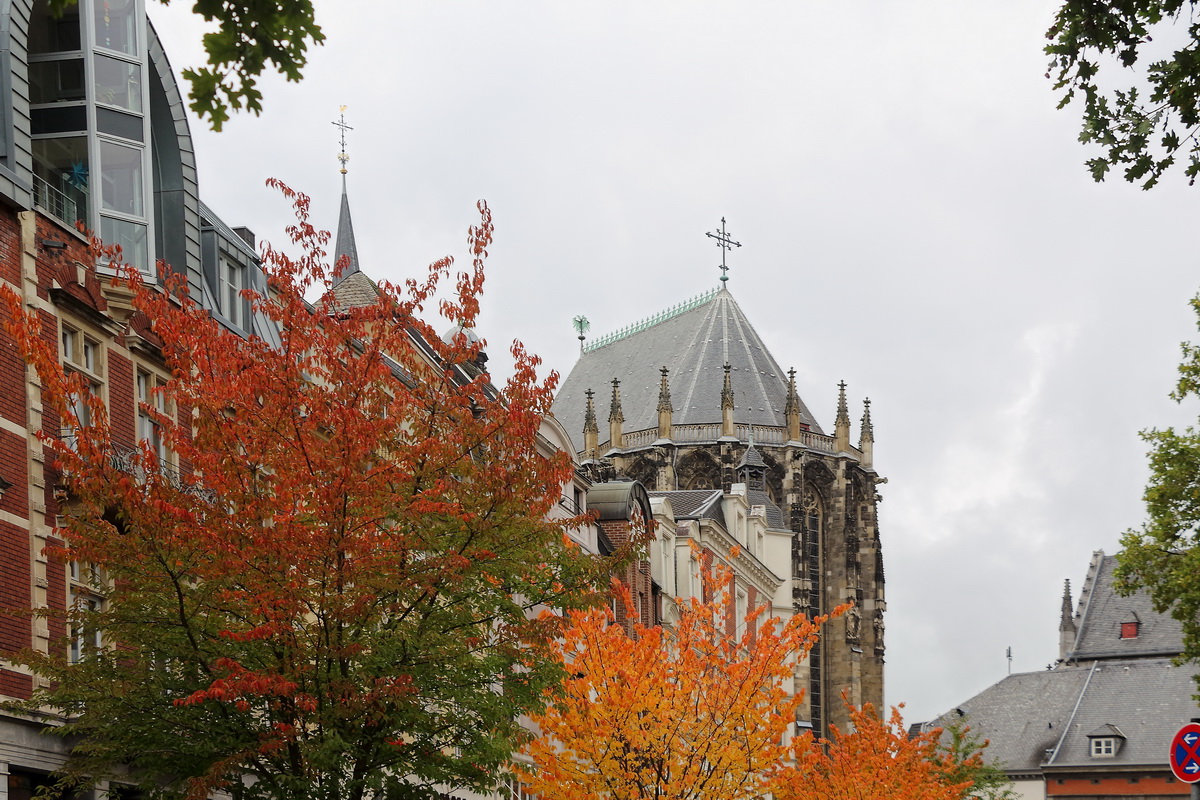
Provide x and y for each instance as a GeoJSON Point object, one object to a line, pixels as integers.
{"type": "Point", "coordinates": [344, 244]}
{"type": "Point", "coordinates": [726, 244]}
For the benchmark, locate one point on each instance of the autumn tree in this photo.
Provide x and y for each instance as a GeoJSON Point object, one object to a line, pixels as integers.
{"type": "Point", "coordinates": [1147, 117]}
{"type": "Point", "coordinates": [320, 585]}
{"type": "Point", "coordinates": [966, 763]}
{"type": "Point", "coordinates": [1163, 556]}
{"type": "Point", "coordinates": [687, 713]}
{"type": "Point", "coordinates": [876, 760]}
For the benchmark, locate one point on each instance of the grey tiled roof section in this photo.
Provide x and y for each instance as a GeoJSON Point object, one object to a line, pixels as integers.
{"type": "Point", "coordinates": [694, 346]}
{"type": "Point", "coordinates": [691, 503]}
{"type": "Point", "coordinates": [1023, 715]}
{"type": "Point", "coordinates": [1099, 619]}
{"type": "Point", "coordinates": [345, 244]}
{"type": "Point", "coordinates": [1147, 698]}
{"type": "Point", "coordinates": [757, 497]}
{"type": "Point", "coordinates": [751, 458]}
{"type": "Point", "coordinates": [355, 290]}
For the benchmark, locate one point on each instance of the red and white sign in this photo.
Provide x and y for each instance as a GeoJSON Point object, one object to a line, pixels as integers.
{"type": "Point", "coordinates": [1185, 753]}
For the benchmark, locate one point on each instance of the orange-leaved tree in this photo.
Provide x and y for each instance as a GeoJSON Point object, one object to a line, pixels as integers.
{"type": "Point", "coordinates": [877, 760]}
{"type": "Point", "coordinates": [685, 713]}
{"type": "Point", "coordinates": [315, 578]}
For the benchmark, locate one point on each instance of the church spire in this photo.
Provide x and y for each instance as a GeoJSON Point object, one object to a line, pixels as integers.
{"type": "Point", "coordinates": [727, 428]}
{"type": "Point", "coordinates": [665, 409]}
{"type": "Point", "coordinates": [344, 244]}
{"type": "Point", "coordinates": [866, 439]}
{"type": "Point", "coordinates": [1066, 625]}
{"type": "Point", "coordinates": [841, 425]}
{"type": "Point", "coordinates": [591, 431]}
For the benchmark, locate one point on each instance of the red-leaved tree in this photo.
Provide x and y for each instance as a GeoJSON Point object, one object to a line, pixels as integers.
{"type": "Point", "coordinates": [320, 585]}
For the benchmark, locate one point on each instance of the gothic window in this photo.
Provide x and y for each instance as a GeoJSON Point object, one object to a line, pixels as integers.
{"type": "Point", "coordinates": [644, 470]}
{"type": "Point", "coordinates": [812, 513]}
{"type": "Point", "coordinates": [698, 470]}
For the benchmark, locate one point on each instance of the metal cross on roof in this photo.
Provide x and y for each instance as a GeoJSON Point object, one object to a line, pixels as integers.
{"type": "Point", "coordinates": [341, 124]}
{"type": "Point", "coordinates": [725, 243]}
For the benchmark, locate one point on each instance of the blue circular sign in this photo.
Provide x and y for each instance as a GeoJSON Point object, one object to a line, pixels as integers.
{"type": "Point", "coordinates": [1185, 753]}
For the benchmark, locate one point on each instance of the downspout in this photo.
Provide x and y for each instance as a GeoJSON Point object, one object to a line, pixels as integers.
{"type": "Point", "coordinates": [1078, 701]}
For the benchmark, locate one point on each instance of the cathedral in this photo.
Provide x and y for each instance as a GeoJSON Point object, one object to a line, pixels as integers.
{"type": "Point", "coordinates": [697, 406]}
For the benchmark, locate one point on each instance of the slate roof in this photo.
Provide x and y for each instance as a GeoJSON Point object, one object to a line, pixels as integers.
{"type": "Point", "coordinates": [1041, 721]}
{"type": "Point", "coordinates": [345, 244]}
{"type": "Point", "coordinates": [694, 346]}
{"type": "Point", "coordinates": [692, 503]}
{"type": "Point", "coordinates": [1101, 611]}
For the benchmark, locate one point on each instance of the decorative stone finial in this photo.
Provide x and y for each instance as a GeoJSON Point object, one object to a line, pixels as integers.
{"type": "Point", "coordinates": [664, 392]}
{"type": "Point", "coordinates": [1066, 625]}
{"type": "Point", "coordinates": [841, 425]}
{"type": "Point", "coordinates": [614, 409]}
{"type": "Point", "coordinates": [727, 390]}
{"type": "Point", "coordinates": [591, 431]}
{"type": "Point", "coordinates": [791, 409]}
{"type": "Point", "coordinates": [868, 431]}
{"type": "Point", "coordinates": [615, 417]}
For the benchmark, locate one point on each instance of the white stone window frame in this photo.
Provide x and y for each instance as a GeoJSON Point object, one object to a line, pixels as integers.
{"type": "Point", "coordinates": [81, 351]}
{"type": "Point", "coordinates": [147, 383]}
{"type": "Point", "coordinates": [1103, 746]}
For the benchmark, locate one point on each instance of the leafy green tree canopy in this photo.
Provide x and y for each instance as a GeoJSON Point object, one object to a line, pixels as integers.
{"type": "Point", "coordinates": [250, 37]}
{"type": "Point", "coordinates": [1163, 557]}
{"type": "Point", "coordinates": [1144, 128]}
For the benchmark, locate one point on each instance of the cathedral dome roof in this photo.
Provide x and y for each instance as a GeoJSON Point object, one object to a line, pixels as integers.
{"type": "Point", "coordinates": [694, 341]}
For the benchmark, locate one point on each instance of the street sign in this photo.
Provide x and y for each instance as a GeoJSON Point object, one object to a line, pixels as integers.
{"type": "Point", "coordinates": [1185, 753]}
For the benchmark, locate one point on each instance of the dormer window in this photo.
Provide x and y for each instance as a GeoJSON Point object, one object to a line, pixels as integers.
{"type": "Point", "coordinates": [1105, 741]}
{"type": "Point", "coordinates": [1129, 628]}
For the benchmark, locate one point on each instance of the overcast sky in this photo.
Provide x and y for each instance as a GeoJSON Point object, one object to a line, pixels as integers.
{"type": "Point", "coordinates": [915, 220]}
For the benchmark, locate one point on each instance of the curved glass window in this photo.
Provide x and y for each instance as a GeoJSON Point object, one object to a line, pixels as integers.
{"type": "Point", "coordinates": [121, 178]}
{"type": "Point", "coordinates": [117, 25]}
{"type": "Point", "coordinates": [131, 236]}
{"type": "Point", "coordinates": [118, 83]}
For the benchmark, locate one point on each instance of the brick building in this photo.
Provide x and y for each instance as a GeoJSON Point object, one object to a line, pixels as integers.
{"type": "Point", "coordinates": [93, 132]}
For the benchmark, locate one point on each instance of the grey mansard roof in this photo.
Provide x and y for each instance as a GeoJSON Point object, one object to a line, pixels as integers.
{"type": "Point", "coordinates": [694, 345]}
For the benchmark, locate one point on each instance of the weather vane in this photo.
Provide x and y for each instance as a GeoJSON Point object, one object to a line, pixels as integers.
{"type": "Point", "coordinates": [581, 326]}
{"type": "Point", "coordinates": [341, 124]}
{"type": "Point", "coordinates": [725, 243]}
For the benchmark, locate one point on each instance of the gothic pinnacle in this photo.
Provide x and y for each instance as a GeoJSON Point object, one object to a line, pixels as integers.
{"type": "Point", "coordinates": [727, 390]}
{"type": "Point", "coordinates": [664, 393]}
{"type": "Point", "coordinates": [868, 432]}
{"type": "Point", "coordinates": [614, 411]}
{"type": "Point", "coordinates": [589, 415]}
{"type": "Point", "coordinates": [843, 414]}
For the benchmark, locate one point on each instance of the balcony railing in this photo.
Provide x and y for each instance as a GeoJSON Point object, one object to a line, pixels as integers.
{"type": "Point", "coordinates": [711, 432]}
{"type": "Point", "coordinates": [55, 202]}
{"type": "Point", "coordinates": [124, 459]}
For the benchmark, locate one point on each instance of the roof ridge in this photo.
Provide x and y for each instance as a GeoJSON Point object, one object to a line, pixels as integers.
{"type": "Point", "coordinates": [652, 320]}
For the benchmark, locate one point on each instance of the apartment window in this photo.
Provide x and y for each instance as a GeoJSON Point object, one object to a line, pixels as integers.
{"type": "Point", "coordinates": [741, 608]}
{"type": "Point", "coordinates": [1104, 747]}
{"type": "Point", "coordinates": [233, 281]}
{"type": "Point", "coordinates": [82, 355]}
{"type": "Point", "coordinates": [150, 399]}
{"type": "Point", "coordinates": [85, 637]}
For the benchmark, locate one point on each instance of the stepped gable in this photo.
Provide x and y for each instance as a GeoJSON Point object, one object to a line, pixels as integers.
{"type": "Point", "coordinates": [694, 344]}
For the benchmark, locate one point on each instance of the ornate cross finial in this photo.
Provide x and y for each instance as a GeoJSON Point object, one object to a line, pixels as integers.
{"type": "Point", "coordinates": [581, 326]}
{"type": "Point", "coordinates": [725, 243]}
{"type": "Point", "coordinates": [341, 124]}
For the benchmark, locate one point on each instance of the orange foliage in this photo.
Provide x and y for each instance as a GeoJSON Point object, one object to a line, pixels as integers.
{"type": "Point", "coordinates": [685, 713]}
{"type": "Point", "coordinates": [876, 761]}
{"type": "Point", "coordinates": [332, 590]}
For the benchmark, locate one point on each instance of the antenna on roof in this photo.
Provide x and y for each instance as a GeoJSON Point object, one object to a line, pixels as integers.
{"type": "Point", "coordinates": [1009, 654]}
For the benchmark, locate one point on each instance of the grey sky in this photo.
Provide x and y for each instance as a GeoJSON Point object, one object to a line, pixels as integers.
{"type": "Point", "coordinates": [915, 218]}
